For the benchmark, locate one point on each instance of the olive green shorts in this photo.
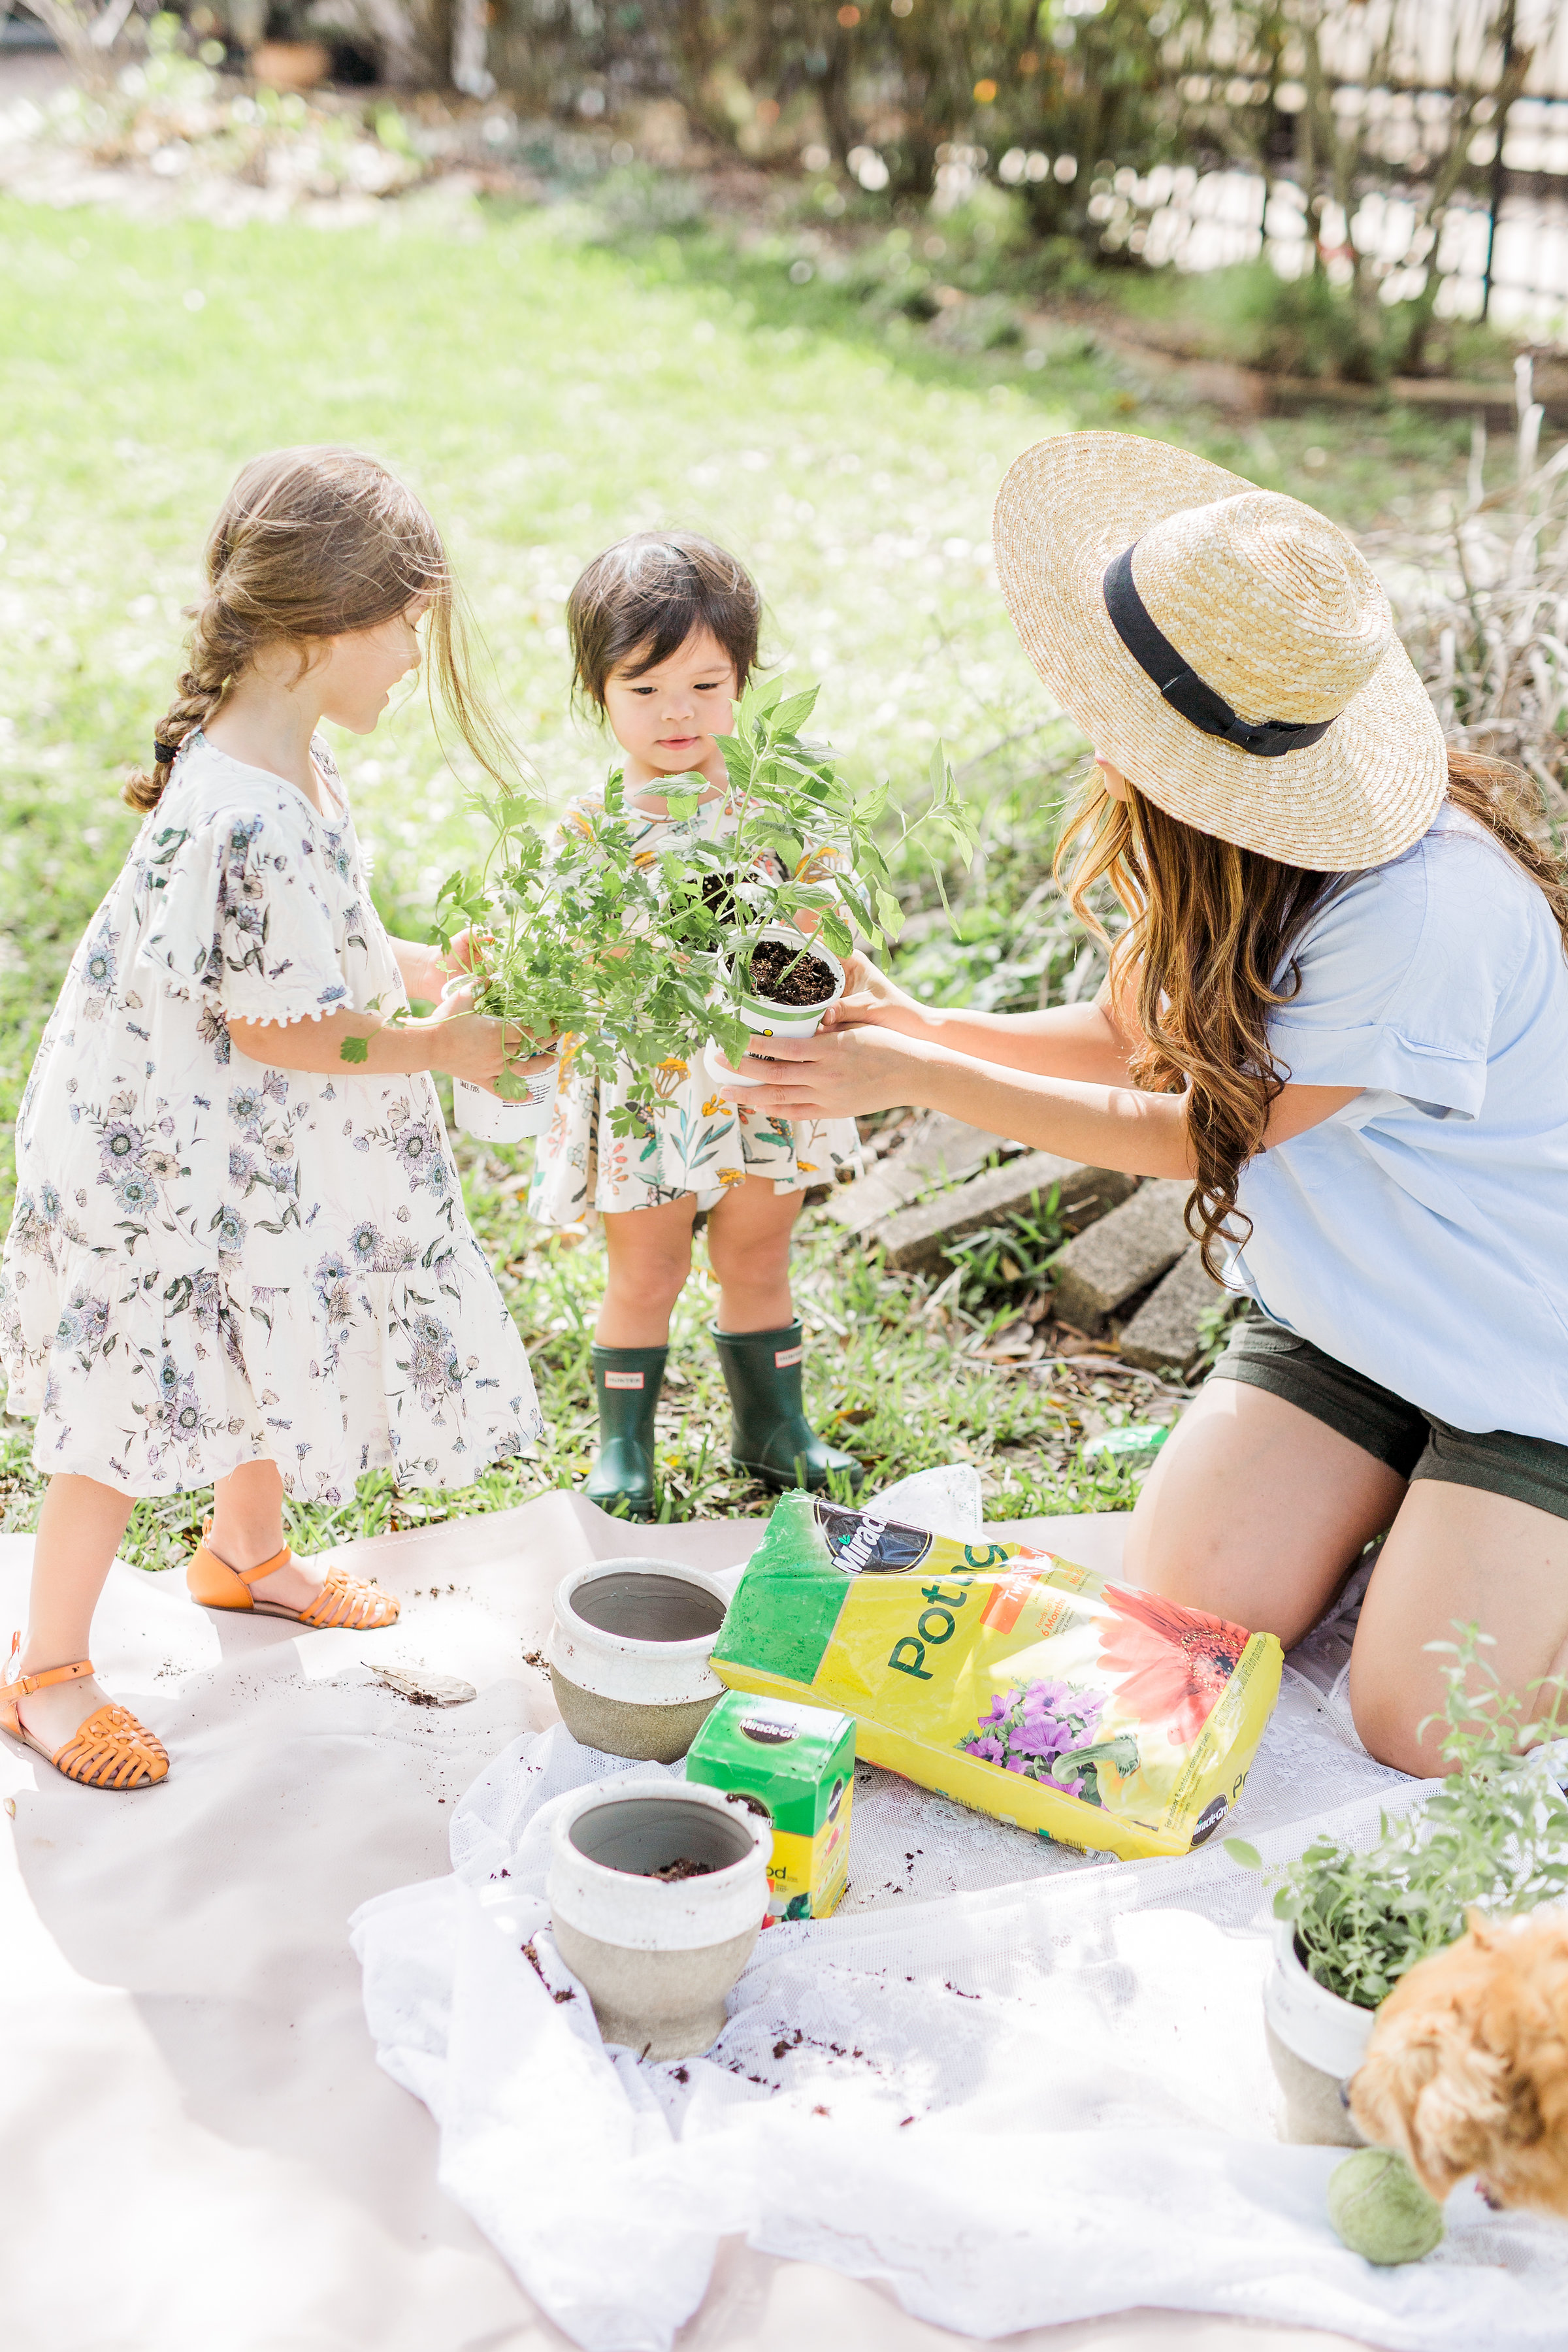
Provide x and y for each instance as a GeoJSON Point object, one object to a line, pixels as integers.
{"type": "Point", "coordinates": [1414, 1444]}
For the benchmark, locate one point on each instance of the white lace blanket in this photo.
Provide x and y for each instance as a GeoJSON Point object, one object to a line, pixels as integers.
{"type": "Point", "coordinates": [1018, 2086]}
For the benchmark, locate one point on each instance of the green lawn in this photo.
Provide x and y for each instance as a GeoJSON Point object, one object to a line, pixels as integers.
{"type": "Point", "coordinates": [546, 397]}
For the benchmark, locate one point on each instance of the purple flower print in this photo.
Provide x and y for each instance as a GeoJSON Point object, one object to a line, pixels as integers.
{"type": "Point", "coordinates": [1028, 1727]}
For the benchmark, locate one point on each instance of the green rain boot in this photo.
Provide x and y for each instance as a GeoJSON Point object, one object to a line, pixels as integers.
{"type": "Point", "coordinates": [627, 1382]}
{"type": "Point", "coordinates": [772, 1437]}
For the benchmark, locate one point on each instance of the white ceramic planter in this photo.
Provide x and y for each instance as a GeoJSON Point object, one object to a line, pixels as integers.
{"type": "Point", "coordinates": [1316, 2041]}
{"type": "Point", "coordinates": [490, 1119]}
{"type": "Point", "coordinates": [770, 1020]}
{"type": "Point", "coordinates": [657, 1956]}
{"type": "Point", "coordinates": [628, 1655]}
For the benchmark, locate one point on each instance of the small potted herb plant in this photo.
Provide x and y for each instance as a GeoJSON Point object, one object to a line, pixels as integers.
{"type": "Point", "coordinates": [1350, 1925]}
{"type": "Point", "coordinates": [640, 956]}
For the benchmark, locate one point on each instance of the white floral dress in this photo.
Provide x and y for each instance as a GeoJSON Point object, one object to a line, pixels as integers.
{"type": "Point", "coordinates": [692, 1140]}
{"type": "Point", "coordinates": [212, 1262]}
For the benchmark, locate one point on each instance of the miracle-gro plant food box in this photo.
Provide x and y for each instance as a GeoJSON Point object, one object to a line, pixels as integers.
{"type": "Point", "coordinates": [1013, 1680]}
{"type": "Point", "coordinates": [798, 1762]}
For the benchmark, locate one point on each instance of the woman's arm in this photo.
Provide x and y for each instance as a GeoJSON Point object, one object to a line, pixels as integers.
{"type": "Point", "coordinates": [1070, 1041]}
{"type": "Point", "coordinates": [467, 1044]}
{"type": "Point", "coordinates": [847, 1072]}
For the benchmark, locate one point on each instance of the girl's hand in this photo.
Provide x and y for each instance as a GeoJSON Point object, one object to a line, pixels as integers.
{"type": "Point", "coordinates": [839, 1075]}
{"type": "Point", "coordinates": [460, 955]}
{"type": "Point", "coordinates": [479, 1047]}
{"type": "Point", "coordinates": [871, 996]}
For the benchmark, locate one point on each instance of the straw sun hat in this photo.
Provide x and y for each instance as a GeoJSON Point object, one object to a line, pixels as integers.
{"type": "Point", "coordinates": [1228, 649]}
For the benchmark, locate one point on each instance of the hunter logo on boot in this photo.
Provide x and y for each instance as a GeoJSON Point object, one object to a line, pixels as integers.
{"type": "Point", "coordinates": [623, 1379]}
{"type": "Point", "coordinates": [784, 1357]}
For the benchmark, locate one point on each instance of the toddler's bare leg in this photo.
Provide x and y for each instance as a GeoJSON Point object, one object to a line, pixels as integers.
{"type": "Point", "coordinates": [80, 1529]}
{"type": "Point", "coordinates": [748, 1248]}
{"type": "Point", "coordinates": [649, 1252]}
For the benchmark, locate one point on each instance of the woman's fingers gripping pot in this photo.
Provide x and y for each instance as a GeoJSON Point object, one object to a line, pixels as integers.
{"type": "Point", "coordinates": [838, 1073]}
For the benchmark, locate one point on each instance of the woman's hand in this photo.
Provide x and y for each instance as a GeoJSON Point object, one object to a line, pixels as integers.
{"type": "Point", "coordinates": [838, 1073]}
{"type": "Point", "coordinates": [871, 996]}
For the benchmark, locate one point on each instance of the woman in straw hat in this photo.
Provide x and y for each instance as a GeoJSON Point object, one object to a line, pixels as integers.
{"type": "Point", "coordinates": [1340, 1008]}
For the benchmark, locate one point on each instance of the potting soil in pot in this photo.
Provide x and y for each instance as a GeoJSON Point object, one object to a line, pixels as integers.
{"type": "Point", "coordinates": [798, 1764]}
{"type": "Point", "coordinates": [786, 975]}
{"type": "Point", "coordinates": [1010, 1680]}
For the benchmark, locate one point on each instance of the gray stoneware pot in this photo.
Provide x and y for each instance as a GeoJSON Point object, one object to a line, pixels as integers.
{"type": "Point", "coordinates": [628, 1655]}
{"type": "Point", "coordinates": [657, 1956]}
{"type": "Point", "coordinates": [1316, 2042]}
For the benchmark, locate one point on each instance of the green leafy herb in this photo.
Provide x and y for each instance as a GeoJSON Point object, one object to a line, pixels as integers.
{"type": "Point", "coordinates": [1496, 1835]}
{"type": "Point", "coordinates": [354, 1049]}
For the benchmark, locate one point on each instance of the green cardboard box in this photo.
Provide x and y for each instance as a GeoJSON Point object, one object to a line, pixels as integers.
{"type": "Point", "coordinates": [798, 1762]}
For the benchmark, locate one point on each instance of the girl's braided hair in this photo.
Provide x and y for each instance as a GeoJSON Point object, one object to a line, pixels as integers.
{"type": "Point", "coordinates": [315, 543]}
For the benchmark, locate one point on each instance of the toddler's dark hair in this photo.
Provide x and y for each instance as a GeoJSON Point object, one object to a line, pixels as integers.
{"type": "Point", "coordinates": [647, 593]}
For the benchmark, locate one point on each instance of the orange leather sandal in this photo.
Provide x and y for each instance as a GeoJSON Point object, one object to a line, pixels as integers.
{"type": "Point", "coordinates": [344, 1601]}
{"type": "Point", "coordinates": [110, 1750]}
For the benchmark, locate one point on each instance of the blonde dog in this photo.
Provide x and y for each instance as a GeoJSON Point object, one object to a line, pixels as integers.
{"type": "Point", "coordinates": [1467, 2069]}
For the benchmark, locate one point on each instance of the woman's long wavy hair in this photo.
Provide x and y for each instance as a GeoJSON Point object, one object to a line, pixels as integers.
{"type": "Point", "coordinates": [1206, 957]}
{"type": "Point", "coordinates": [309, 544]}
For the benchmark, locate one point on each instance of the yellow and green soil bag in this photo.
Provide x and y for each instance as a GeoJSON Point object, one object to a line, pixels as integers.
{"type": "Point", "coordinates": [1009, 1679]}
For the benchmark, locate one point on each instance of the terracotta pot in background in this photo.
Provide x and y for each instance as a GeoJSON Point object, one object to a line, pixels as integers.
{"type": "Point", "coordinates": [290, 64]}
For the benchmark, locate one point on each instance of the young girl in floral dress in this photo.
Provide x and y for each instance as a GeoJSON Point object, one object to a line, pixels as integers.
{"type": "Point", "coordinates": [664, 631]}
{"type": "Point", "coordinates": [238, 1254]}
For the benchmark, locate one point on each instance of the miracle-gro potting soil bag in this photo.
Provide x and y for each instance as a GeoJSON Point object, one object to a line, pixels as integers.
{"type": "Point", "coordinates": [1018, 1683]}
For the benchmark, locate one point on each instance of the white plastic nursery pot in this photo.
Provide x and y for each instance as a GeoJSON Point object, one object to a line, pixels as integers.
{"type": "Point", "coordinates": [770, 1020]}
{"type": "Point", "coordinates": [657, 1953]}
{"type": "Point", "coordinates": [1316, 2041]}
{"type": "Point", "coordinates": [628, 1655]}
{"type": "Point", "coordinates": [489, 1119]}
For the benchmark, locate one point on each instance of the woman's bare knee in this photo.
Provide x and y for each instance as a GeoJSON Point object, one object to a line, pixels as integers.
{"type": "Point", "coordinates": [1255, 1511]}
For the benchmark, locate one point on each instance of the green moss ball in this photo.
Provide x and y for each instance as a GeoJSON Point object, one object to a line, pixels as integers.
{"type": "Point", "coordinates": [1380, 2210]}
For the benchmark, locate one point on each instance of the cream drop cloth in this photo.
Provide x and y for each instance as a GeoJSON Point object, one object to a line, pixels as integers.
{"type": "Point", "coordinates": [198, 2152]}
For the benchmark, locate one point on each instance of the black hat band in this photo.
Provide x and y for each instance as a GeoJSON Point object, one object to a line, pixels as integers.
{"type": "Point", "coordinates": [1183, 689]}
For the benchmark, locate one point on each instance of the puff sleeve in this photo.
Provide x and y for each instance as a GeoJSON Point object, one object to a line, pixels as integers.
{"type": "Point", "coordinates": [235, 912]}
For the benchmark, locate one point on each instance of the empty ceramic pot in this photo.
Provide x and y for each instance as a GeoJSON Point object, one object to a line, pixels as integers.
{"type": "Point", "coordinates": [1316, 2041]}
{"type": "Point", "coordinates": [628, 1655]}
{"type": "Point", "coordinates": [655, 1901]}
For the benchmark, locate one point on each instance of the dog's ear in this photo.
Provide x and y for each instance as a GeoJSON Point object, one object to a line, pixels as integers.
{"type": "Point", "coordinates": [1426, 2088]}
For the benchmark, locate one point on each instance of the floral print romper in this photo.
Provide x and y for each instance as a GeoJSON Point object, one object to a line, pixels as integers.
{"type": "Point", "coordinates": [212, 1262]}
{"type": "Point", "coordinates": [693, 1141]}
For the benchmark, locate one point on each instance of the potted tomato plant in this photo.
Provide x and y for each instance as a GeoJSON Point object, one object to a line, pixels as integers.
{"type": "Point", "coordinates": [640, 955]}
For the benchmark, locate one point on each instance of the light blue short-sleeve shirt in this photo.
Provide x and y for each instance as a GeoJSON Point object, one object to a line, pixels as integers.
{"type": "Point", "coordinates": [1421, 1234]}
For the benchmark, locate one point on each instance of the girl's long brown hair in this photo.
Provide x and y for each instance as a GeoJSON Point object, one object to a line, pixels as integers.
{"type": "Point", "coordinates": [309, 544]}
{"type": "Point", "coordinates": [1206, 957]}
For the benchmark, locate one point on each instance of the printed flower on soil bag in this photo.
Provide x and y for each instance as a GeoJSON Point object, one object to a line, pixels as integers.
{"type": "Point", "coordinates": [1026, 1728]}
{"type": "Point", "coordinates": [1171, 1663]}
